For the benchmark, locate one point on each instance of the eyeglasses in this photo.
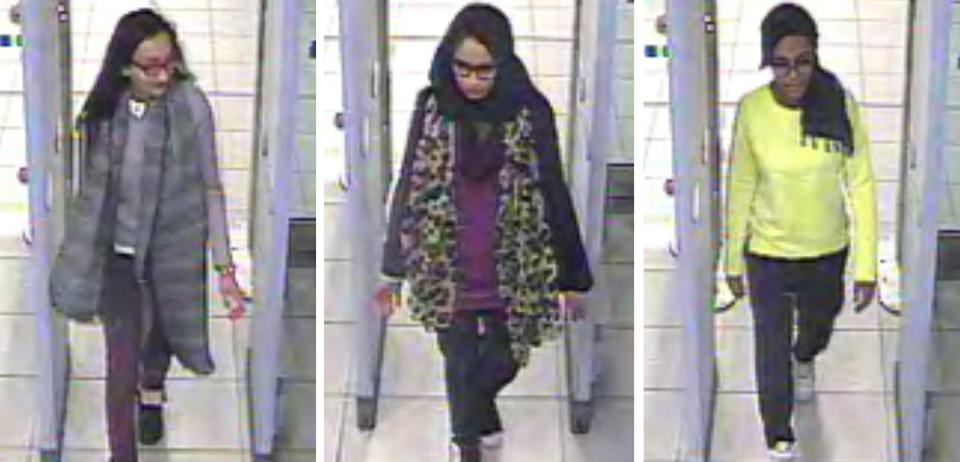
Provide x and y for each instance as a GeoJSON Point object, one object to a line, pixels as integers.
{"type": "Point", "coordinates": [464, 70]}
{"type": "Point", "coordinates": [802, 66]}
{"type": "Point", "coordinates": [154, 70]}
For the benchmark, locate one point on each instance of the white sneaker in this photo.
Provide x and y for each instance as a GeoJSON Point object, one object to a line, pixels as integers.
{"type": "Point", "coordinates": [781, 450]}
{"type": "Point", "coordinates": [493, 440]}
{"type": "Point", "coordinates": [805, 379]}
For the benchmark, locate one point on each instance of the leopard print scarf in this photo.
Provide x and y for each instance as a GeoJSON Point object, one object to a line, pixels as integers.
{"type": "Point", "coordinates": [525, 262]}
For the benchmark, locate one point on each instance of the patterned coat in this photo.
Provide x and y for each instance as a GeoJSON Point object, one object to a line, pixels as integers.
{"type": "Point", "coordinates": [539, 250]}
{"type": "Point", "coordinates": [173, 229]}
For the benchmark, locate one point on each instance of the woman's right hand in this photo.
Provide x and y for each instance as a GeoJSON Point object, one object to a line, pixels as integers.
{"type": "Point", "coordinates": [387, 297]}
{"type": "Point", "coordinates": [735, 283]}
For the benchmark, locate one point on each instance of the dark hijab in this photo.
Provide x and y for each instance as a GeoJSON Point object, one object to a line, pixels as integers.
{"type": "Point", "coordinates": [479, 123]}
{"type": "Point", "coordinates": [824, 103]}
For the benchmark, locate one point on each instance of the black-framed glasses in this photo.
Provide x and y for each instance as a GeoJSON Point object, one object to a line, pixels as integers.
{"type": "Point", "coordinates": [802, 66]}
{"type": "Point", "coordinates": [154, 70]}
{"type": "Point", "coordinates": [464, 70]}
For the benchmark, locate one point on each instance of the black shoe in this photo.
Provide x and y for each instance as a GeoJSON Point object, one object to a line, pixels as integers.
{"type": "Point", "coordinates": [469, 453]}
{"type": "Point", "coordinates": [150, 423]}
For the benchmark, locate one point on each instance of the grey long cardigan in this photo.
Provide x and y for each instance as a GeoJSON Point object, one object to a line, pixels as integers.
{"type": "Point", "coordinates": [181, 198]}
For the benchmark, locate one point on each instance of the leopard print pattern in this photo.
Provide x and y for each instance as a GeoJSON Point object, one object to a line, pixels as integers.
{"type": "Point", "coordinates": [526, 264]}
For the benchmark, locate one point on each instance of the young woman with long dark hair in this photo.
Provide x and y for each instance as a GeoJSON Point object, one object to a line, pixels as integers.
{"type": "Point", "coordinates": [482, 227]}
{"type": "Point", "coordinates": [134, 254]}
{"type": "Point", "coordinates": [800, 159]}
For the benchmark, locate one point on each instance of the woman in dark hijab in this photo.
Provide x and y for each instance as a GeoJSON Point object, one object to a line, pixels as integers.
{"type": "Point", "coordinates": [800, 159]}
{"type": "Point", "coordinates": [482, 227]}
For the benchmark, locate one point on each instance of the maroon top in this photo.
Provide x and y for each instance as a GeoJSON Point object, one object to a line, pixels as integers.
{"type": "Point", "coordinates": [476, 201]}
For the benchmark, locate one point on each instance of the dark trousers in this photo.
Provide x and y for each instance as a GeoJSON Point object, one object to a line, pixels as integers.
{"type": "Point", "coordinates": [817, 286]}
{"type": "Point", "coordinates": [128, 314]}
{"type": "Point", "coordinates": [478, 364]}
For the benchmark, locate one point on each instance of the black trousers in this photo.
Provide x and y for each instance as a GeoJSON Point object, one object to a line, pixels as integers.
{"type": "Point", "coordinates": [817, 286]}
{"type": "Point", "coordinates": [478, 364]}
{"type": "Point", "coordinates": [134, 355]}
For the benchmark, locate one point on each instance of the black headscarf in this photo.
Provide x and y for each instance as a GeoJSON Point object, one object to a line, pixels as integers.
{"type": "Point", "coordinates": [480, 122]}
{"type": "Point", "coordinates": [824, 102]}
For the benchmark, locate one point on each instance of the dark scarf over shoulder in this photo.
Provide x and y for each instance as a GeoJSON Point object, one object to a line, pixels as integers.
{"type": "Point", "coordinates": [824, 103]}
{"type": "Point", "coordinates": [173, 222]}
{"type": "Point", "coordinates": [512, 87]}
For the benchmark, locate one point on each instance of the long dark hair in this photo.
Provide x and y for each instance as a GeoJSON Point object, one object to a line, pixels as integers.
{"type": "Point", "coordinates": [132, 29]}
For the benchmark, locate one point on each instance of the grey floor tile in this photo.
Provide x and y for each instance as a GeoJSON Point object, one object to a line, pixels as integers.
{"type": "Point", "coordinates": [661, 424]}
{"type": "Point", "coordinates": [301, 297]}
{"type": "Point", "coordinates": [200, 415]}
{"type": "Point", "coordinates": [610, 437]}
{"type": "Point", "coordinates": [18, 405]}
{"type": "Point", "coordinates": [889, 341]}
{"type": "Point", "coordinates": [541, 377]}
{"type": "Point", "coordinates": [297, 427]}
{"type": "Point", "coordinates": [852, 362]}
{"type": "Point", "coordinates": [17, 454]}
{"type": "Point", "coordinates": [88, 354]}
{"type": "Point", "coordinates": [526, 420]}
{"type": "Point", "coordinates": [945, 373]}
{"type": "Point", "coordinates": [85, 424]}
{"type": "Point", "coordinates": [333, 426]}
{"type": "Point", "coordinates": [337, 356]}
{"type": "Point", "coordinates": [663, 349]}
{"type": "Point", "coordinates": [737, 433]}
{"type": "Point", "coordinates": [408, 430]}
{"type": "Point", "coordinates": [821, 428]}
{"type": "Point", "coordinates": [735, 359]}
{"type": "Point", "coordinates": [14, 285]}
{"type": "Point", "coordinates": [160, 455]}
{"type": "Point", "coordinates": [18, 334]}
{"type": "Point", "coordinates": [945, 416]}
{"type": "Point", "coordinates": [657, 293]}
{"type": "Point", "coordinates": [285, 455]}
{"type": "Point", "coordinates": [299, 348]}
{"type": "Point", "coordinates": [615, 360]}
{"type": "Point", "coordinates": [946, 301]}
{"type": "Point", "coordinates": [618, 238]}
{"type": "Point", "coordinates": [412, 363]}
{"type": "Point", "coordinates": [203, 414]}
{"type": "Point", "coordinates": [621, 294]}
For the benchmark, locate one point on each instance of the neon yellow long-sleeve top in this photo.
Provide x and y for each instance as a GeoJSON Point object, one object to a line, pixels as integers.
{"type": "Point", "coordinates": [792, 199]}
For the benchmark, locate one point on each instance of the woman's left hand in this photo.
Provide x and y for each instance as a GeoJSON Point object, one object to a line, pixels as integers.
{"type": "Point", "coordinates": [863, 293]}
{"type": "Point", "coordinates": [233, 295]}
{"type": "Point", "coordinates": [573, 306]}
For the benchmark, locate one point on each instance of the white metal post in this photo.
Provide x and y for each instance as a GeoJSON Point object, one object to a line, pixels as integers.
{"type": "Point", "coordinates": [40, 80]}
{"type": "Point", "coordinates": [593, 143]}
{"type": "Point", "coordinates": [925, 145]}
{"type": "Point", "coordinates": [267, 329]}
{"type": "Point", "coordinates": [362, 125]}
{"type": "Point", "coordinates": [694, 276]}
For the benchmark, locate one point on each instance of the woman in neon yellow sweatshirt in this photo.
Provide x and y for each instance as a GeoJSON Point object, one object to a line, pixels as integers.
{"type": "Point", "coordinates": [799, 162]}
